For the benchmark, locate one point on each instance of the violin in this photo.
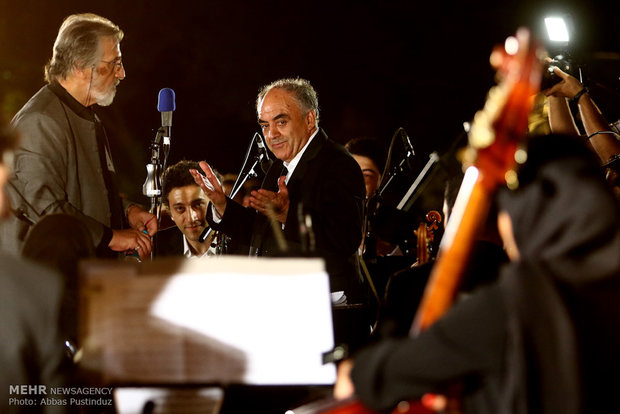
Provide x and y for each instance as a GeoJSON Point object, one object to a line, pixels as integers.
{"type": "Point", "coordinates": [425, 235]}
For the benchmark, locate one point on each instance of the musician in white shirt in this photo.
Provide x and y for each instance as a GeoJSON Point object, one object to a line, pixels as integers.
{"type": "Point", "coordinates": [187, 205]}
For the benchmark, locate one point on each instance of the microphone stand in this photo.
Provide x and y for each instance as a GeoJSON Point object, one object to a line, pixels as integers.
{"type": "Point", "coordinates": [411, 196]}
{"type": "Point", "coordinates": [152, 185]}
{"type": "Point", "coordinates": [243, 176]}
{"type": "Point", "coordinates": [373, 204]}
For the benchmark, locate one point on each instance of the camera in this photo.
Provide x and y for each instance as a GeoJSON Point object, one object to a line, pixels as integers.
{"type": "Point", "coordinates": [549, 77]}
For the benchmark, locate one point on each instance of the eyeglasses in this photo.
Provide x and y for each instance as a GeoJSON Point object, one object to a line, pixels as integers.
{"type": "Point", "coordinates": [118, 64]}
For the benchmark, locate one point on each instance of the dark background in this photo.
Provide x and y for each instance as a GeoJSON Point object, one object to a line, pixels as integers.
{"type": "Point", "coordinates": [377, 66]}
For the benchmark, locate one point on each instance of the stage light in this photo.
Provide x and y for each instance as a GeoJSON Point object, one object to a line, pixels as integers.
{"type": "Point", "coordinates": [557, 30]}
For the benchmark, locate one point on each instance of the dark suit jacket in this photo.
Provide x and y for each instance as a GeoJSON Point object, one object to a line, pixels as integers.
{"type": "Point", "coordinates": [169, 243]}
{"type": "Point", "coordinates": [327, 184]}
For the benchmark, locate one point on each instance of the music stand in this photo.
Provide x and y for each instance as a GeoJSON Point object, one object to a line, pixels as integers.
{"type": "Point", "coordinates": [226, 320]}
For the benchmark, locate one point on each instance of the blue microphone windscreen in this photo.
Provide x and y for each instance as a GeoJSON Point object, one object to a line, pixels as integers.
{"type": "Point", "coordinates": [165, 100]}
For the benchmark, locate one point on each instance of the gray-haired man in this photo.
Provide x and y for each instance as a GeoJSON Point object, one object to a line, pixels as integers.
{"type": "Point", "coordinates": [63, 164]}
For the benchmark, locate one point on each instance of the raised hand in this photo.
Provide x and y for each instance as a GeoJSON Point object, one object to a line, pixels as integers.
{"type": "Point", "coordinates": [568, 87]}
{"type": "Point", "coordinates": [270, 203]}
{"type": "Point", "coordinates": [211, 186]}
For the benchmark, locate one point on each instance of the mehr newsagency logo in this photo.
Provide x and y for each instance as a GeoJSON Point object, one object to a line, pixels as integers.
{"type": "Point", "coordinates": [34, 395]}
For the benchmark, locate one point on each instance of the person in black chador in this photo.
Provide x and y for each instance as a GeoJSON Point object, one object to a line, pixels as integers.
{"type": "Point", "coordinates": [545, 337]}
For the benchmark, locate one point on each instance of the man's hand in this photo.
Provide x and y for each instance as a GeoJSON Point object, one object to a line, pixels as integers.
{"type": "Point", "coordinates": [140, 219]}
{"type": "Point", "coordinates": [264, 201]}
{"type": "Point", "coordinates": [211, 186]}
{"type": "Point", "coordinates": [568, 87]}
{"type": "Point", "coordinates": [131, 239]}
{"type": "Point", "coordinates": [344, 388]}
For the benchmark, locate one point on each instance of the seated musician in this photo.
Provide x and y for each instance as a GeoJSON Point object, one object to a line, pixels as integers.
{"type": "Point", "coordinates": [186, 204]}
{"type": "Point", "coordinates": [544, 337]}
{"type": "Point", "coordinates": [369, 153]}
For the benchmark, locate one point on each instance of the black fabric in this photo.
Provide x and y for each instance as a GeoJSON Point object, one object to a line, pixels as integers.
{"type": "Point", "coordinates": [59, 242]}
{"type": "Point", "coordinates": [32, 351]}
{"type": "Point", "coordinates": [545, 337]}
{"type": "Point", "coordinates": [405, 288]}
{"type": "Point", "coordinates": [566, 223]}
{"type": "Point", "coordinates": [109, 177]}
{"type": "Point", "coordinates": [402, 297]}
{"type": "Point", "coordinates": [169, 243]}
{"type": "Point", "coordinates": [71, 102]}
{"type": "Point", "coordinates": [543, 374]}
{"type": "Point", "coordinates": [398, 369]}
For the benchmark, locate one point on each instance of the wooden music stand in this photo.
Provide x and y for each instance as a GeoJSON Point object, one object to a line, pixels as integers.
{"type": "Point", "coordinates": [226, 320]}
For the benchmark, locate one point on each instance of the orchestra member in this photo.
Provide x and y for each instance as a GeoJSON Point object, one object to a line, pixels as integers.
{"type": "Point", "coordinates": [187, 204]}
{"type": "Point", "coordinates": [369, 153]}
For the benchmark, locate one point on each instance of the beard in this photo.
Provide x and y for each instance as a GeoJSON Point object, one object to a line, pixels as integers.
{"type": "Point", "coordinates": [100, 96]}
{"type": "Point", "coordinates": [105, 98]}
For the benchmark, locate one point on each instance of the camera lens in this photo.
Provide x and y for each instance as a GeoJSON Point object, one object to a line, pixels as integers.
{"type": "Point", "coordinates": [549, 77]}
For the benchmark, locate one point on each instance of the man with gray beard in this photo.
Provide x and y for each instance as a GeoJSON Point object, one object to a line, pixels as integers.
{"type": "Point", "coordinates": [64, 163]}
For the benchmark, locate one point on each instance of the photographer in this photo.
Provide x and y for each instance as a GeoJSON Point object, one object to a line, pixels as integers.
{"type": "Point", "coordinates": [599, 134]}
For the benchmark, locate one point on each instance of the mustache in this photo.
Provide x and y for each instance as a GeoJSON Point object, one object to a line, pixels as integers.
{"type": "Point", "coordinates": [196, 224]}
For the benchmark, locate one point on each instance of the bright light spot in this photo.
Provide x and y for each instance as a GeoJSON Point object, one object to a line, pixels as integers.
{"type": "Point", "coordinates": [556, 29]}
{"type": "Point", "coordinates": [512, 45]}
{"type": "Point", "coordinates": [466, 126]}
{"type": "Point", "coordinates": [512, 180]}
{"type": "Point", "coordinates": [520, 156]}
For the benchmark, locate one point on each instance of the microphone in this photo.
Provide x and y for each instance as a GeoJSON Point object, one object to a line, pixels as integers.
{"type": "Point", "coordinates": [265, 162]}
{"type": "Point", "coordinates": [152, 185]}
{"type": "Point", "coordinates": [408, 147]}
{"type": "Point", "coordinates": [166, 105]}
{"type": "Point", "coordinates": [407, 142]}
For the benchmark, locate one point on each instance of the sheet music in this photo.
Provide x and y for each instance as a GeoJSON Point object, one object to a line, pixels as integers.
{"type": "Point", "coordinates": [212, 321]}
